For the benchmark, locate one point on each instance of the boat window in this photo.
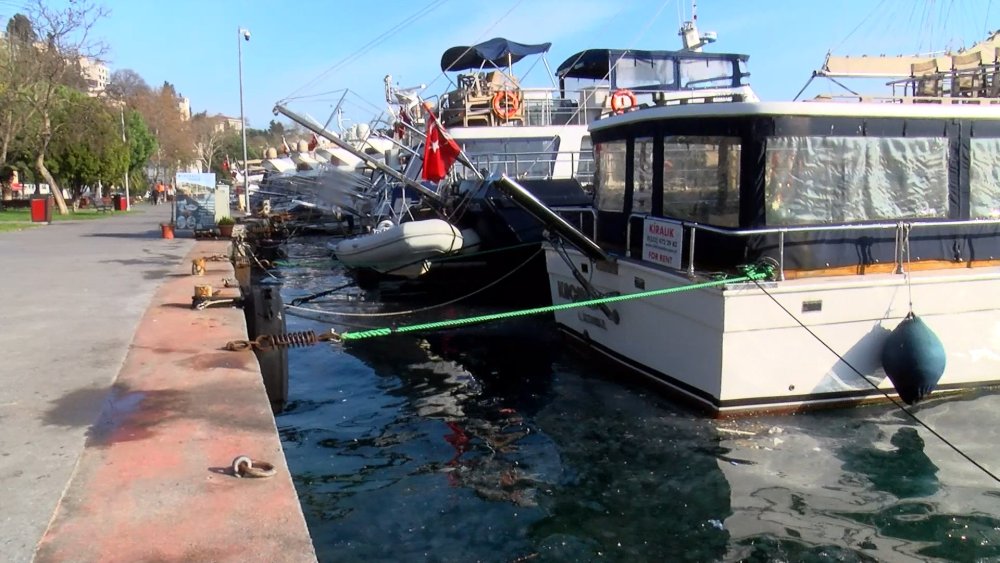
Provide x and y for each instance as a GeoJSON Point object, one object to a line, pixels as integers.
{"type": "Point", "coordinates": [639, 73]}
{"type": "Point", "coordinates": [984, 179]}
{"type": "Point", "coordinates": [585, 167]}
{"type": "Point", "coordinates": [609, 176]}
{"type": "Point", "coordinates": [642, 181]}
{"type": "Point", "coordinates": [846, 179]}
{"type": "Point", "coordinates": [701, 179]}
{"type": "Point", "coordinates": [706, 73]}
{"type": "Point", "coordinates": [519, 158]}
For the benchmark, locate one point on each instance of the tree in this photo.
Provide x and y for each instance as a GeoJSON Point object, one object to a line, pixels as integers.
{"type": "Point", "coordinates": [142, 145]}
{"type": "Point", "coordinates": [160, 108]}
{"type": "Point", "coordinates": [37, 70]}
{"type": "Point", "coordinates": [126, 85]}
{"type": "Point", "coordinates": [88, 148]}
{"type": "Point", "coordinates": [209, 132]}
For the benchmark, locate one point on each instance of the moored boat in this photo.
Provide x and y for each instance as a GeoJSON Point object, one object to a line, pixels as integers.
{"type": "Point", "coordinates": [867, 211]}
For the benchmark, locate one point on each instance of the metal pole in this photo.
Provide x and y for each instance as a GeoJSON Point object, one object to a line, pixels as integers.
{"type": "Point", "coordinates": [128, 166]}
{"type": "Point", "coordinates": [315, 127]}
{"type": "Point", "coordinates": [240, 33]}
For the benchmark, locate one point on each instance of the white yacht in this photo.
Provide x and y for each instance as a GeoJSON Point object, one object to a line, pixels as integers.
{"type": "Point", "coordinates": [868, 212]}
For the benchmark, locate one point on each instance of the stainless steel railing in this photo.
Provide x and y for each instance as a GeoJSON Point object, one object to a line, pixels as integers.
{"type": "Point", "coordinates": [900, 240]}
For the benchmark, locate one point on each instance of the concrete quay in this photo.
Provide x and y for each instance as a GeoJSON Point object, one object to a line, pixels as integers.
{"type": "Point", "coordinates": [120, 413]}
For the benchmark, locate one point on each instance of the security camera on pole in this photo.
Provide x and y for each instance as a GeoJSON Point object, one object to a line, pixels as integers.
{"type": "Point", "coordinates": [245, 203]}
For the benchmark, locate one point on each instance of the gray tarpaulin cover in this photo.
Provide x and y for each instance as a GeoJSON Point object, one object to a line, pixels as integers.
{"type": "Point", "coordinates": [847, 179]}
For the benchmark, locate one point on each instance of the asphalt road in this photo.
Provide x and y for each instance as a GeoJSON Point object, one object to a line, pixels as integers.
{"type": "Point", "coordinates": [71, 296]}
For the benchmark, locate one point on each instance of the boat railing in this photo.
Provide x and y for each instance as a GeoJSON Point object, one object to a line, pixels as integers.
{"type": "Point", "coordinates": [550, 106]}
{"type": "Point", "coordinates": [903, 99]}
{"type": "Point", "coordinates": [900, 240]}
{"type": "Point", "coordinates": [580, 213]}
{"type": "Point", "coordinates": [534, 165]}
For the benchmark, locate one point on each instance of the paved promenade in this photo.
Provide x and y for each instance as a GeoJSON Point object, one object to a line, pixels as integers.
{"type": "Point", "coordinates": [116, 405]}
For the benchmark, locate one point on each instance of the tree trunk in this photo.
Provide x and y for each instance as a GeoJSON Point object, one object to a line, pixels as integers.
{"type": "Point", "coordinates": [53, 187]}
{"type": "Point", "coordinates": [43, 171]}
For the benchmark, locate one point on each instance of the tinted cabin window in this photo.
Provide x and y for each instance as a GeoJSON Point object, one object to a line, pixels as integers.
{"type": "Point", "coordinates": [585, 166]}
{"type": "Point", "coordinates": [610, 162]}
{"type": "Point", "coordinates": [701, 179]}
{"type": "Point", "coordinates": [706, 73]}
{"type": "Point", "coordinates": [642, 193]}
{"type": "Point", "coordinates": [850, 179]}
{"type": "Point", "coordinates": [984, 179]}
{"type": "Point", "coordinates": [639, 74]}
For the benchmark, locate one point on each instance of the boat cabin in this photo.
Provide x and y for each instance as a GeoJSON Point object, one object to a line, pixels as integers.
{"type": "Point", "coordinates": [602, 81]}
{"type": "Point", "coordinates": [820, 188]}
{"type": "Point", "coordinates": [487, 93]}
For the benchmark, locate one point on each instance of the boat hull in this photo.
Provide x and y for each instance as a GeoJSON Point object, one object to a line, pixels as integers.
{"type": "Point", "coordinates": [734, 350]}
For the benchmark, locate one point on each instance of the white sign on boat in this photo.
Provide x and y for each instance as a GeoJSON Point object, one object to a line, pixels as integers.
{"type": "Point", "coordinates": [661, 242]}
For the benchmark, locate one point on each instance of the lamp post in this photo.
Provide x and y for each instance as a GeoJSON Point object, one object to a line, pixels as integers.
{"type": "Point", "coordinates": [245, 35]}
{"type": "Point", "coordinates": [128, 200]}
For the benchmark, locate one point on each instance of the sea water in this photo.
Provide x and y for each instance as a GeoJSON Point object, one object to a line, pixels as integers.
{"type": "Point", "coordinates": [504, 442]}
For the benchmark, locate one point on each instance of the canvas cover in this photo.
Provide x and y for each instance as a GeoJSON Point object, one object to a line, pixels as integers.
{"type": "Point", "coordinates": [497, 52]}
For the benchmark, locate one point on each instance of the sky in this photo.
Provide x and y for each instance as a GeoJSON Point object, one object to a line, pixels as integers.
{"type": "Point", "coordinates": [308, 52]}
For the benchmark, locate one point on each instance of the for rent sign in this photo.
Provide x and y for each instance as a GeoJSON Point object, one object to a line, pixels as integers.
{"type": "Point", "coordinates": [661, 242]}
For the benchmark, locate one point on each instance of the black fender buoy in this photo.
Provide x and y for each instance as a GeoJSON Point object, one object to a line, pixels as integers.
{"type": "Point", "coordinates": [914, 359]}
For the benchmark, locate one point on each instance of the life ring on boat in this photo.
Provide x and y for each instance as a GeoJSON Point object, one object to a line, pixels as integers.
{"type": "Point", "coordinates": [505, 104]}
{"type": "Point", "coordinates": [623, 99]}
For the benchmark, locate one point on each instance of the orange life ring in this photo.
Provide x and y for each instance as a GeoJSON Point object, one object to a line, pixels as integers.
{"type": "Point", "coordinates": [505, 104]}
{"type": "Point", "coordinates": [623, 99]}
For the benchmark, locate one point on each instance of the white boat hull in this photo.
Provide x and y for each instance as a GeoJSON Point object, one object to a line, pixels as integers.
{"type": "Point", "coordinates": [403, 249]}
{"type": "Point", "coordinates": [734, 349]}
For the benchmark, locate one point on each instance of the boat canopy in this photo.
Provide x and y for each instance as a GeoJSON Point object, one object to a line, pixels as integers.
{"type": "Point", "coordinates": [497, 52]}
{"type": "Point", "coordinates": [665, 66]}
{"type": "Point", "coordinates": [902, 66]}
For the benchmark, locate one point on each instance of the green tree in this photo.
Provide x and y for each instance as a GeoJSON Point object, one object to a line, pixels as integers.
{"type": "Point", "coordinates": [88, 148]}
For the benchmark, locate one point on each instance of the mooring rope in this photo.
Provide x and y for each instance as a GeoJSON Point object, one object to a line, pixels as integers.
{"type": "Point", "coordinates": [751, 273]}
{"type": "Point", "coordinates": [294, 306]}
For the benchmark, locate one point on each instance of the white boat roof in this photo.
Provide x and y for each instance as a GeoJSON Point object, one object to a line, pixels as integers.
{"type": "Point", "coordinates": [804, 108]}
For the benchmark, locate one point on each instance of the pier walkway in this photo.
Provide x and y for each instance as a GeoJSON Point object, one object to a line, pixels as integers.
{"type": "Point", "coordinates": [119, 412]}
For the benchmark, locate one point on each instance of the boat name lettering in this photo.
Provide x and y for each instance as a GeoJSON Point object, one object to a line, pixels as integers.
{"type": "Point", "coordinates": [572, 292]}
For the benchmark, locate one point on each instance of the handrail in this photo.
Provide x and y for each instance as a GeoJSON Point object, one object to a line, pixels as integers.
{"type": "Point", "coordinates": [581, 211]}
{"type": "Point", "coordinates": [782, 231]}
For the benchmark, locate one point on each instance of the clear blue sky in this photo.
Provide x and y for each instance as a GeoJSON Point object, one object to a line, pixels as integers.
{"type": "Point", "coordinates": [310, 47]}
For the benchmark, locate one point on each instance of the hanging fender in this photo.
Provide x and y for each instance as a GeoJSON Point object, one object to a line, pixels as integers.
{"type": "Point", "coordinates": [914, 359]}
{"type": "Point", "coordinates": [623, 100]}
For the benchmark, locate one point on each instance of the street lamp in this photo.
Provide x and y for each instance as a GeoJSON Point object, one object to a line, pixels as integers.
{"type": "Point", "coordinates": [128, 200]}
{"type": "Point", "coordinates": [245, 35]}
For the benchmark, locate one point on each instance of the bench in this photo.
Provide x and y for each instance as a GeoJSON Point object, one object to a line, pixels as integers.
{"type": "Point", "coordinates": [103, 204]}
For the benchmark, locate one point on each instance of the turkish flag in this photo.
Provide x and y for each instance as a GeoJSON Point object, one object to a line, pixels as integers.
{"type": "Point", "coordinates": [313, 142]}
{"type": "Point", "coordinates": [440, 151]}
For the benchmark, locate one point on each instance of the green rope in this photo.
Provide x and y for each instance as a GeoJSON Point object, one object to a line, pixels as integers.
{"type": "Point", "coordinates": [751, 273]}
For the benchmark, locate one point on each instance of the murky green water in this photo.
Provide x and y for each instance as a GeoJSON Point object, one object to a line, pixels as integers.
{"type": "Point", "coordinates": [505, 443]}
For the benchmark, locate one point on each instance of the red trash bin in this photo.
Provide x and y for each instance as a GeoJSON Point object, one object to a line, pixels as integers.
{"type": "Point", "coordinates": [41, 211]}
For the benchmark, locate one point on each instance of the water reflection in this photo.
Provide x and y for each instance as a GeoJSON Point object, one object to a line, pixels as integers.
{"type": "Point", "coordinates": [904, 472]}
{"type": "Point", "coordinates": [498, 443]}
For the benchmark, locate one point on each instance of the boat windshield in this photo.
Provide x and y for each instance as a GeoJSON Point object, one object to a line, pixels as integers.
{"type": "Point", "coordinates": [522, 158]}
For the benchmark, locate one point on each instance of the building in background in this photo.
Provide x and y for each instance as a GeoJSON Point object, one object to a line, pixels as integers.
{"type": "Point", "coordinates": [95, 75]}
